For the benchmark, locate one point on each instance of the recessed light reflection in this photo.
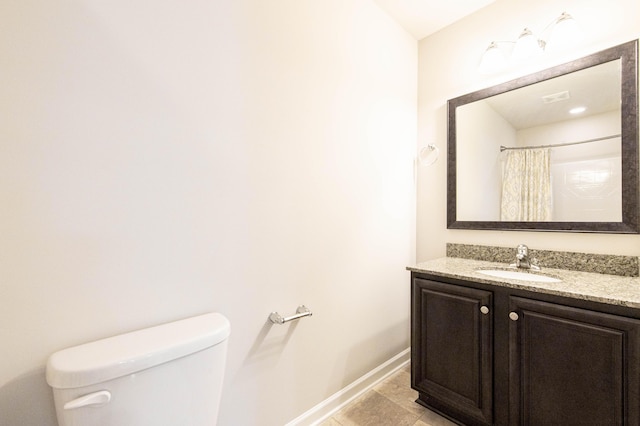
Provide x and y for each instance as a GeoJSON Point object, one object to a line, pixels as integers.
{"type": "Point", "coordinates": [577, 110]}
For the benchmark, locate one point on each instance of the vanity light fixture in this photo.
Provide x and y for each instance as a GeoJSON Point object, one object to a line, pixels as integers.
{"type": "Point", "coordinates": [577, 110]}
{"type": "Point", "coordinates": [562, 32]}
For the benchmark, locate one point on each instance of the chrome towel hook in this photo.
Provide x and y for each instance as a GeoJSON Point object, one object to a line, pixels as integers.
{"type": "Point", "coordinates": [302, 311]}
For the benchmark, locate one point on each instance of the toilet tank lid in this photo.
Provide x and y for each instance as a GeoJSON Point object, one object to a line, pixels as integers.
{"type": "Point", "coordinates": [129, 353]}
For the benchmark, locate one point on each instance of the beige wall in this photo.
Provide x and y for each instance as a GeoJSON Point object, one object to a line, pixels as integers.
{"type": "Point", "coordinates": [480, 187]}
{"type": "Point", "coordinates": [448, 63]}
{"type": "Point", "coordinates": [159, 161]}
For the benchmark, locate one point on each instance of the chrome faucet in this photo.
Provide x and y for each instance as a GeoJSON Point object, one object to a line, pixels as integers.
{"type": "Point", "coordinates": [522, 259]}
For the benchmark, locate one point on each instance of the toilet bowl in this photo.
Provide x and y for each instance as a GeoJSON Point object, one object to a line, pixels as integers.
{"type": "Point", "coordinates": [166, 375]}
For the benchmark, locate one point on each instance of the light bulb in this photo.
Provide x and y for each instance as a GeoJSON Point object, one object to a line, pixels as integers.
{"type": "Point", "coordinates": [577, 110]}
{"type": "Point", "coordinates": [493, 60]}
{"type": "Point", "coordinates": [565, 33]}
{"type": "Point", "coordinates": [527, 46]}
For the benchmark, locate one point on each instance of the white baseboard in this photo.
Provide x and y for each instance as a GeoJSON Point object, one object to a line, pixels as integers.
{"type": "Point", "coordinates": [340, 399]}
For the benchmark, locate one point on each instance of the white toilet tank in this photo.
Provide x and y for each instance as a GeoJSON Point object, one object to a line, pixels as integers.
{"type": "Point", "coordinates": [167, 375]}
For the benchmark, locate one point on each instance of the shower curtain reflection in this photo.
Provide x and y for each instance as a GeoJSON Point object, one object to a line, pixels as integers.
{"type": "Point", "coordinates": [526, 185]}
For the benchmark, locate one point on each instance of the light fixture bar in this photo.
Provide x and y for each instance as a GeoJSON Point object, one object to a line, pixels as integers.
{"type": "Point", "coordinates": [562, 34]}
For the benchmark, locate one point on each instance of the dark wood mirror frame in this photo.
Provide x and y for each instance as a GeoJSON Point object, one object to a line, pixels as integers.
{"type": "Point", "coordinates": [628, 54]}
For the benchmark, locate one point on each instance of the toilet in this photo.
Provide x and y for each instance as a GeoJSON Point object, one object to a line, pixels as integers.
{"type": "Point", "coordinates": [165, 375]}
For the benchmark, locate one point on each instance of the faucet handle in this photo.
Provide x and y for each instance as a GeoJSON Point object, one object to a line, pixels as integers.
{"type": "Point", "coordinates": [534, 264]}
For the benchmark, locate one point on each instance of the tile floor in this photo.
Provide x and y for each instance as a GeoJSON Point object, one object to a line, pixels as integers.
{"type": "Point", "coordinates": [389, 403]}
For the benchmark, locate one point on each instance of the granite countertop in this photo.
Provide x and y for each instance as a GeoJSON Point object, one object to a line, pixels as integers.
{"type": "Point", "coordinates": [596, 287]}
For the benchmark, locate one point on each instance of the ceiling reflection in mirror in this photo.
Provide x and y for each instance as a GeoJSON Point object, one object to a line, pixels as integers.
{"type": "Point", "coordinates": [548, 152]}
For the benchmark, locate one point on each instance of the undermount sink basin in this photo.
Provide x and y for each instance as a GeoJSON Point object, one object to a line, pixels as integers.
{"type": "Point", "coordinates": [519, 275]}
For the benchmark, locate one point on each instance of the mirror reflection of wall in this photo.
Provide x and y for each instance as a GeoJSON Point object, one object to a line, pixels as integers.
{"type": "Point", "coordinates": [483, 131]}
{"type": "Point", "coordinates": [586, 178]}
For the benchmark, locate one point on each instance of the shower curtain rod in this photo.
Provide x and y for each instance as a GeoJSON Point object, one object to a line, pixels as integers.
{"type": "Point", "coordinates": [503, 148]}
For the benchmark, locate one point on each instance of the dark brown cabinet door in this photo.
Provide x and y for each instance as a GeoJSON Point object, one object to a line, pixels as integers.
{"type": "Point", "coordinates": [571, 366]}
{"type": "Point", "coordinates": [452, 350]}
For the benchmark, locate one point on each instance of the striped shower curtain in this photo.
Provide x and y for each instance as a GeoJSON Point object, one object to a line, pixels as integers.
{"type": "Point", "coordinates": [526, 185]}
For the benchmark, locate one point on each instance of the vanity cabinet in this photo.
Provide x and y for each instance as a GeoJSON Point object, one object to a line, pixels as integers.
{"type": "Point", "coordinates": [492, 355]}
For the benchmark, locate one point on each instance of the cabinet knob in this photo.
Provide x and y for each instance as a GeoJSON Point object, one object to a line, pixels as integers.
{"type": "Point", "coordinates": [513, 316]}
{"type": "Point", "coordinates": [484, 310]}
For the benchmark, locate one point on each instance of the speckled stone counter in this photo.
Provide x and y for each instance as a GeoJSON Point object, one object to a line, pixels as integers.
{"type": "Point", "coordinates": [628, 266]}
{"type": "Point", "coordinates": [596, 287]}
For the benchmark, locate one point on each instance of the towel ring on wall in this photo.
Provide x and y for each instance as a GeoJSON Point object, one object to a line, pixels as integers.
{"type": "Point", "coordinates": [428, 155]}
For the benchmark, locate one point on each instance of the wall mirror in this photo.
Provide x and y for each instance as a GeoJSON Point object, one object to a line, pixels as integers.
{"type": "Point", "coordinates": [552, 151]}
